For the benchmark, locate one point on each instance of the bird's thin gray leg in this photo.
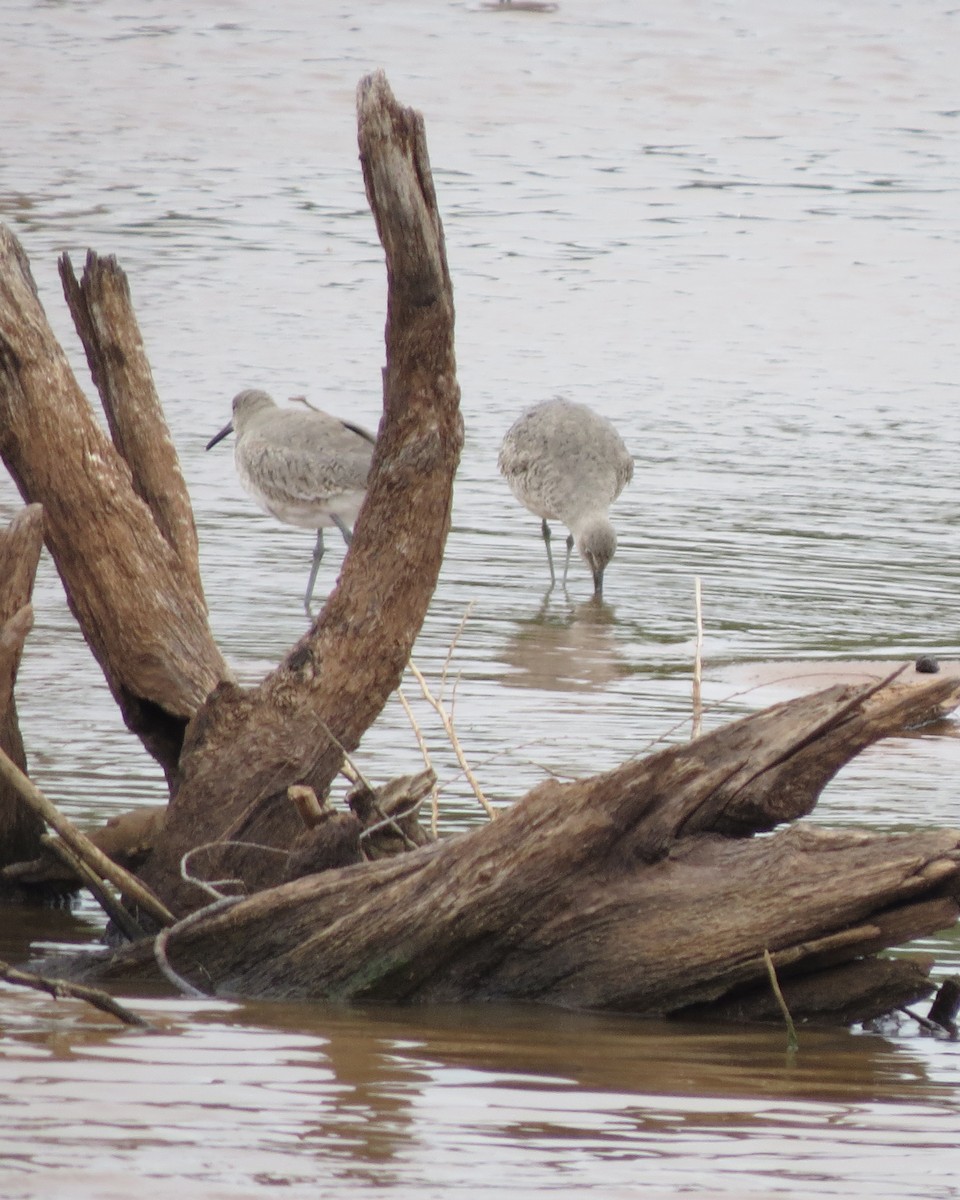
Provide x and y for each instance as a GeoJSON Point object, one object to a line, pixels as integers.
{"type": "Point", "coordinates": [545, 529]}
{"type": "Point", "coordinates": [567, 562]}
{"type": "Point", "coordinates": [343, 527]}
{"type": "Point", "coordinates": [314, 568]}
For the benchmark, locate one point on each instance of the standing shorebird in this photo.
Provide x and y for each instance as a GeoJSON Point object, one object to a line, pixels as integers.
{"type": "Point", "coordinates": [303, 467]}
{"type": "Point", "coordinates": [565, 463]}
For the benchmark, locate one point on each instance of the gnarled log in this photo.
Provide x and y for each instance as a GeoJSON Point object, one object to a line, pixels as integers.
{"type": "Point", "coordinates": [120, 530]}
{"type": "Point", "coordinates": [638, 890]}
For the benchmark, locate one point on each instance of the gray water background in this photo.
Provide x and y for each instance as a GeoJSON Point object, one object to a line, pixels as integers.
{"type": "Point", "coordinates": [731, 228]}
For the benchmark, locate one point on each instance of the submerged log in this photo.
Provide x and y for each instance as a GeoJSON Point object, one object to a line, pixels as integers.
{"type": "Point", "coordinates": [640, 890]}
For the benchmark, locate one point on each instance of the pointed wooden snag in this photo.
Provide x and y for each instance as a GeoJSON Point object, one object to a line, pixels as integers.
{"type": "Point", "coordinates": [134, 593]}
{"type": "Point", "coordinates": [246, 748]}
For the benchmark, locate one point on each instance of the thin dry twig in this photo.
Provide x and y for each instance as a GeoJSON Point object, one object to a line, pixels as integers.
{"type": "Point", "coordinates": [453, 645]}
{"type": "Point", "coordinates": [446, 718]}
{"type": "Point", "coordinates": [451, 733]}
{"type": "Point", "coordinates": [163, 937]}
{"type": "Point", "coordinates": [58, 988]}
{"type": "Point", "coordinates": [792, 1043]}
{"type": "Point", "coordinates": [210, 886]}
{"type": "Point", "coordinates": [392, 820]}
{"type": "Point", "coordinates": [357, 775]}
{"type": "Point", "coordinates": [421, 742]}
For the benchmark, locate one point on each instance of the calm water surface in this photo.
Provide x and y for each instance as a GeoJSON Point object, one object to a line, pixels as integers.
{"type": "Point", "coordinates": [734, 229]}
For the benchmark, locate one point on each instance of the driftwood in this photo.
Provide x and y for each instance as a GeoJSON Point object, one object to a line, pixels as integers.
{"type": "Point", "coordinates": [642, 890]}
{"type": "Point", "coordinates": [638, 890]}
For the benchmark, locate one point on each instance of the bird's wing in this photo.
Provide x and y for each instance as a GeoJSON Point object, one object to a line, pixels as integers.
{"type": "Point", "coordinates": [359, 429]}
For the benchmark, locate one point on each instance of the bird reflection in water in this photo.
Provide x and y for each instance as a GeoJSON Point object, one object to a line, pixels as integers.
{"type": "Point", "coordinates": [565, 647]}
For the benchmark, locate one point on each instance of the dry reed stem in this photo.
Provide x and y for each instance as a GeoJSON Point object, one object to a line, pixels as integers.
{"type": "Point", "coordinates": [792, 1043]}
{"type": "Point", "coordinates": [697, 664]}
{"type": "Point", "coordinates": [421, 742]}
{"type": "Point", "coordinates": [446, 718]}
{"type": "Point", "coordinates": [451, 733]}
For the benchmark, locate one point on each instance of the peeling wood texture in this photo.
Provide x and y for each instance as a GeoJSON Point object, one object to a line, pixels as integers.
{"type": "Point", "coordinates": [126, 584]}
{"type": "Point", "coordinates": [625, 892]}
{"type": "Point", "coordinates": [246, 748]}
{"type": "Point", "coordinates": [102, 311]}
{"type": "Point", "coordinates": [20, 546]}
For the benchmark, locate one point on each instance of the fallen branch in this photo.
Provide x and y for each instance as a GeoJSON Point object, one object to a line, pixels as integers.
{"type": "Point", "coordinates": [59, 988]}
{"type": "Point", "coordinates": [89, 878]}
{"type": "Point", "coordinates": [128, 885]}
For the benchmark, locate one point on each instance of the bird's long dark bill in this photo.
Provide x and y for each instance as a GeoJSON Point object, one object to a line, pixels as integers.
{"type": "Point", "coordinates": [598, 583]}
{"type": "Point", "coordinates": [220, 436]}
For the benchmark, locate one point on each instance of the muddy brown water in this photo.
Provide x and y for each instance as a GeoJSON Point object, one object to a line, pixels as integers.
{"type": "Point", "coordinates": [733, 229]}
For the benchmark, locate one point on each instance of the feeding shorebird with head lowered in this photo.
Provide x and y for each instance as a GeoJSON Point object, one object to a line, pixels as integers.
{"type": "Point", "coordinates": [302, 466]}
{"type": "Point", "coordinates": [566, 463]}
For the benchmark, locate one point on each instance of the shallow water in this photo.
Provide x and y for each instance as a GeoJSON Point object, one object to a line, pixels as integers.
{"type": "Point", "coordinates": [731, 228]}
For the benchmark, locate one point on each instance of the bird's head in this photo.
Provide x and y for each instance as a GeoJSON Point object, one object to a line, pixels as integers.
{"type": "Point", "coordinates": [597, 542]}
{"type": "Point", "coordinates": [246, 405]}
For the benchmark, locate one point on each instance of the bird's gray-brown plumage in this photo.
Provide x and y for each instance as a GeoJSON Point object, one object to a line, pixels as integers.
{"type": "Point", "coordinates": [303, 466]}
{"type": "Point", "coordinates": [566, 463]}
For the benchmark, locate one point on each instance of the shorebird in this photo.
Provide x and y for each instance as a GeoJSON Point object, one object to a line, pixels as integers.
{"type": "Point", "coordinates": [565, 463]}
{"type": "Point", "coordinates": [303, 467]}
